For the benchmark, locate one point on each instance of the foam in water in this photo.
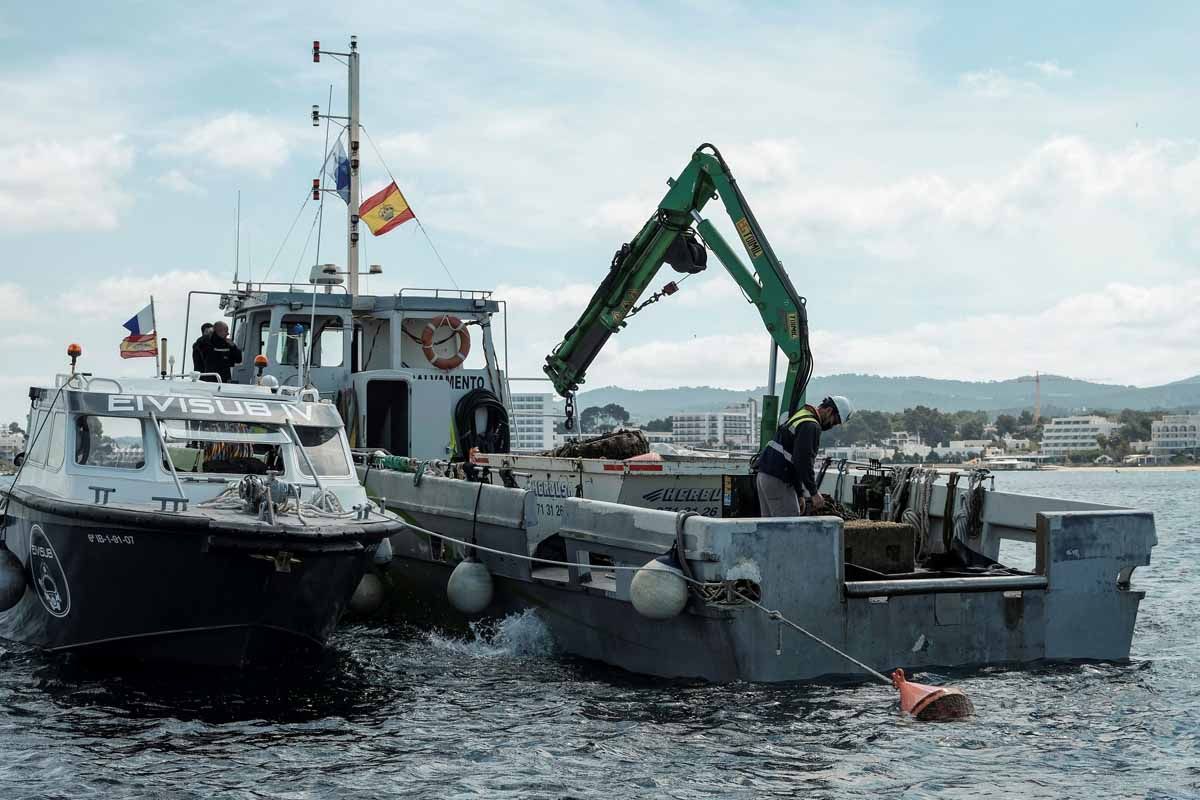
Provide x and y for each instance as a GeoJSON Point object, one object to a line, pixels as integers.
{"type": "Point", "coordinates": [522, 635]}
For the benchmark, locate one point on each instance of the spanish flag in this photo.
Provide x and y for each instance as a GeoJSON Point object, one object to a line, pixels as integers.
{"type": "Point", "coordinates": [385, 209]}
{"type": "Point", "coordinates": [139, 346]}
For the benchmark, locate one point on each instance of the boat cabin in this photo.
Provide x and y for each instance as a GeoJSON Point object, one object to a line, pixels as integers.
{"type": "Point", "coordinates": [398, 367]}
{"type": "Point", "coordinates": [179, 441]}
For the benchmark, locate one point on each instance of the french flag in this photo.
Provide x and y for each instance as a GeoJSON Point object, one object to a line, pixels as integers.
{"type": "Point", "coordinates": [142, 322]}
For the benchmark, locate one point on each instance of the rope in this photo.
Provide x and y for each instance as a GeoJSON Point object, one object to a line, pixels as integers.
{"type": "Point", "coordinates": [432, 247]}
{"type": "Point", "coordinates": [680, 551]}
{"type": "Point", "coordinates": [475, 513]}
{"type": "Point", "coordinates": [948, 522]}
{"type": "Point", "coordinates": [920, 492]}
{"type": "Point", "coordinates": [28, 449]}
{"type": "Point", "coordinates": [304, 252]}
{"type": "Point", "coordinates": [324, 504]}
{"type": "Point", "coordinates": [771, 613]}
{"type": "Point", "coordinates": [897, 492]}
{"type": "Point", "coordinates": [775, 615]}
{"type": "Point", "coordinates": [287, 236]}
{"type": "Point", "coordinates": [969, 519]}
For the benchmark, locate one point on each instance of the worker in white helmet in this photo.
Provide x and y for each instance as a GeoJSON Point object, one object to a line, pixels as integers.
{"type": "Point", "coordinates": [786, 481]}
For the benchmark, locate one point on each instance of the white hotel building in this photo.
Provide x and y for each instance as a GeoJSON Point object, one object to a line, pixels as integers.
{"type": "Point", "coordinates": [1174, 434]}
{"type": "Point", "coordinates": [531, 422]}
{"type": "Point", "coordinates": [1066, 435]}
{"type": "Point", "coordinates": [736, 425]}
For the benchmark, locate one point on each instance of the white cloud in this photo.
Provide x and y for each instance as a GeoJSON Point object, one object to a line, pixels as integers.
{"type": "Point", "coordinates": [701, 292]}
{"type": "Point", "coordinates": [116, 299]}
{"type": "Point", "coordinates": [33, 194]}
{"type": "Point", "coordinates": [176, 181]}
{"type": "Point", "coordinates": [994, 84]}
{"type": "Point", "coordinates": [734, 361]}
{"type": "Point", "coordinates": [410, 144]}
{"type": "Point", "coordinates": [517, 123]}
{"type": "Point", "coordinates": [1066, 179]}
{"type": "Point", "coordinates": [572, 298]}
{"type": "Point", "coordinates": [767, 160]}
{"type": "Point", "coordinates": [236, 140]}
{"type": "Point", "coordinates": [624, 215]}
{"type": "Point", "coordinates": [1147, 335]}
{"type": "Point", "coordinates": [67, 160]}
{"type": "Point", "coordinates": [1050, 69]}
{"type": "Point", "coordinates": [23, 340]}
{"type": "Point", "coordinates": [92, 316]}
{"type": "Point", "coordinates": [1142, 334]}
{"type": "Point", "coordinates": [14, 299]}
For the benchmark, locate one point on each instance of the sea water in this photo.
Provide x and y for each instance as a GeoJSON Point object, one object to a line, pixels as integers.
{"type": "Point", "coordinates": [397, 712]}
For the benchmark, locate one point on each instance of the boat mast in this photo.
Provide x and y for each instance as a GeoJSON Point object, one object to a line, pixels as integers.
{"type": "Point", "coordinates": [352, 138]}
{"type": "Point", "coordinates": [352, 206]}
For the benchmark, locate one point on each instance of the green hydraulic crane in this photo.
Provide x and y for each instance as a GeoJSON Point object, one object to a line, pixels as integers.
{"type": "Point", "coordinates": [668, 237]}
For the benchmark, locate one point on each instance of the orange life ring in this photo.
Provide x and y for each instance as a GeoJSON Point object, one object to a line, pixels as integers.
{"type": "Point", "coordinates": [464, 342]}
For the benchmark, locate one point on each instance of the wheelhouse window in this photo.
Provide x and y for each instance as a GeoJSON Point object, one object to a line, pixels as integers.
{"type": "Point", "coordinates": [223, 448]}
{"type": "Point", "coordinates": [112, 442]}
{"type": "Point", "coordinates": [295, 338]}
{"type": "Point", "coordinates": [58, 430]}
{"type": "Point", "coordinates": [39, 447]}
{"type": "Point", "coordinates": [326, 449]}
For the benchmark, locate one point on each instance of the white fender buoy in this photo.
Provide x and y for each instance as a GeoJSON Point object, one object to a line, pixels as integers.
{"type": "Point", "coordinates": [470, 587]}
{"type": "Point", "coordinates": [368, 595]}
{"type": "Point", "coordinates": [12, 579]}
{"type": "Point", "coordinates": [383, 553]}
{"type": "Point", "coordinates": [658, 590]}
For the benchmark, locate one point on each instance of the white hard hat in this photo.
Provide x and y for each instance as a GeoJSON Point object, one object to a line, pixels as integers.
{"type": "Point", "coordinates": [844, 407]}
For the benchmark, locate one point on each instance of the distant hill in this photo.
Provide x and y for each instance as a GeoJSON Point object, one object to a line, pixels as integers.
{"type": "Point", "coordinates": [1060, 395]}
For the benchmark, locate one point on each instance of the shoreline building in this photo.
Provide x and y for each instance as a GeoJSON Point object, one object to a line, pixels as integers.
{"type": "Point", "coordinates": [10, 445]}
{"type": "Point", "coordinates": [532, 422]}
{"type": "Point", "coordinates": [735, 425]}
{"type": "Point", "coordinates": [1175, 434]}
{"type": "Point", "coordinates": [1066, 435]}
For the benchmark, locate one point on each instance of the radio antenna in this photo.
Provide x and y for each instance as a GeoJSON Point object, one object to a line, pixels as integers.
{"type": "Point", "coordinates": [237, 238]}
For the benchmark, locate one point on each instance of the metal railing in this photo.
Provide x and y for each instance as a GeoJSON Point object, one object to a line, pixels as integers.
{"type": "Point", "coordinates": [461, 294]}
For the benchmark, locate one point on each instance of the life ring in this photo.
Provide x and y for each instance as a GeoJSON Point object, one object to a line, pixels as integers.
{"type": "Point", "coordinates": [464, 342]}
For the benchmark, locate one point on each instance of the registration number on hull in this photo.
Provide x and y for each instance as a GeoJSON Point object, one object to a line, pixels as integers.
{"type": "Point", "coordinates": [109, 538]}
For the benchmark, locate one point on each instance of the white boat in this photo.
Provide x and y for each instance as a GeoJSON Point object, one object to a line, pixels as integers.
{"type": "Point", "coordinates": [184, 521]}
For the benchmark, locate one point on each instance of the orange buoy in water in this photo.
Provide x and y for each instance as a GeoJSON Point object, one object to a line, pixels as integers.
{"type": "Point", "coordinates": [931, 703]}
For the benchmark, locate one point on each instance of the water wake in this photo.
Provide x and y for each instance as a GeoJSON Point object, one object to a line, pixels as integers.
{"type": "Point", "coordinates": [521, 635]}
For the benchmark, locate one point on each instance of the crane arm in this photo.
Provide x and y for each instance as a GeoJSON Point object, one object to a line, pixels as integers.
{"type": "Point", "coordinates": [668, 237]}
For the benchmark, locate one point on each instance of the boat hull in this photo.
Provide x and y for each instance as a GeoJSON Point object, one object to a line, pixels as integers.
{"type": "Point", "coordinates": [150, 592]}
{"type": "Point", "coordinates": [1077, 604]}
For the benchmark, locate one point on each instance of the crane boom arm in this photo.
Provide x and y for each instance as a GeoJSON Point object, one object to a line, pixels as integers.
{"type": "Point", "coordinates": [668, 236]}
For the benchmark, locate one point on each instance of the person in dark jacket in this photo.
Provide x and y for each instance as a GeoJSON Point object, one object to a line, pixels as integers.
{"type": "Point", "coordinates": [197, 361]}
{"type": "Point", "coordinates": [218, 354]}
{"type": "Point", "coordinates": [786, 482]}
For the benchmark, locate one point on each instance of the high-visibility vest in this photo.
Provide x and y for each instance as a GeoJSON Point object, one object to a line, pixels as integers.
{"type": "Point", "coordinates": [776, 457]}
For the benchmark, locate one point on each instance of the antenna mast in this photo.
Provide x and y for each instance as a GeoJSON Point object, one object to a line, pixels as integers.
{"type": "Point", "coordinates": [352, 206]}
{"type": "Point", "coordinates": [237, 239]}
{"type": "Point", "coordinates": [352, 136]}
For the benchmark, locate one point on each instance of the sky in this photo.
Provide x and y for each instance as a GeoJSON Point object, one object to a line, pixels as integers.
{"type": "Point", "coordinates": [958, 191]}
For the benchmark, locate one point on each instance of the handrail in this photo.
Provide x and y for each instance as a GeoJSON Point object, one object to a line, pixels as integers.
{"type": "Point", "coordinates": [88, 380]}
{"type": "Point", "coordinates": [300, 287]}
{"type": "Point", "coordinates": [463, 294]}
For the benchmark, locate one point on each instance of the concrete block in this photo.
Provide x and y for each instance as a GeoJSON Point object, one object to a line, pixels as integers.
{"type": "Point", "coordinates": [888, 547]}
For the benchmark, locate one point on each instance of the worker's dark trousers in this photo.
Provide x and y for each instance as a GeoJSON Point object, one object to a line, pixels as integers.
{"type": "Point", "coordinates": [775, 497]}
